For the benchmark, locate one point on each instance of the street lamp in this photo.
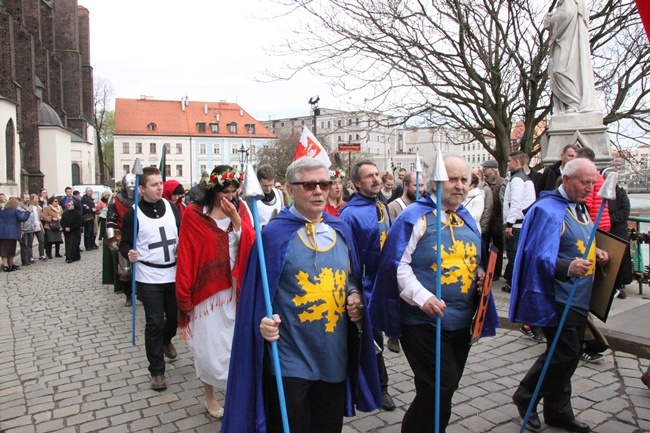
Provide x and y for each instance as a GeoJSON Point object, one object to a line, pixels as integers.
{"type": "Point", "coordinates": [313, 101]}
{"type": "Point", "coordinates": [243, 156]}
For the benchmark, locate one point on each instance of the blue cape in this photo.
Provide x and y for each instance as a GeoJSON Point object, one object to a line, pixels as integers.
{"type": "Point", "coordinates": [361, 215]}
{"type": "Point", "coordinates": [385, 304]}
{"type": "Point", "coordinates": [532, 299]}
{"type": "Point", "coordinates": [244, 407]}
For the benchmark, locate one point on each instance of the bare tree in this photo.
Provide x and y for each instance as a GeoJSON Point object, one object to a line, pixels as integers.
{"type": "Point", "coordinates": [477, 65]}
{"type": "Point", "coordinates": [103, 118]}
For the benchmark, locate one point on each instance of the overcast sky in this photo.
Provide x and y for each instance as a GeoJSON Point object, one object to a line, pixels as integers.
{"type": "Point", "coordinates": [209, 50]}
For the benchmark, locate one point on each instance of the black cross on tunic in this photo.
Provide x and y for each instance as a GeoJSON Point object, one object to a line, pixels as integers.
{"type": "Point", "coordinates": [164, 243]}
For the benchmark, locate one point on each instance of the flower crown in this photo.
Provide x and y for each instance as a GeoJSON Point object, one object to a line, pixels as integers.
{"type": "Point", "coordinates": [222, 178]}
{"type": "Point", "coordinates": [338, 174]}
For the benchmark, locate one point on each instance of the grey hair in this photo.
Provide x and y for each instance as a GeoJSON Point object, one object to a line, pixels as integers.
{"type": "Point", "coordinates": [355, 173]}
{"type": "Point", "coordinates": [303, 164]}
{"type": "Point", "coordinates": [572, 167]}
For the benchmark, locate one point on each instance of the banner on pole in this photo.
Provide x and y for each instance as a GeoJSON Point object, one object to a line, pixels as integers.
{"type": "Point", "coordinates": [310, 147]}
{"type": "Point", "coordinates": [479, 318]}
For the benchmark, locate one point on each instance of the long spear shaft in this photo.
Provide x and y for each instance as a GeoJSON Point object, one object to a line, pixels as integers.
{"type": "Point", "coordinates": [254, 190]}
{"type": "Point", "coordinates": [137, 170]}
{"type": "Point", "coordinates": [605, 189]}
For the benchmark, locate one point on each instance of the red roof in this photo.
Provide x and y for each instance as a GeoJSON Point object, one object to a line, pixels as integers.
{"type": "Point", "coordinates": [133, 117]}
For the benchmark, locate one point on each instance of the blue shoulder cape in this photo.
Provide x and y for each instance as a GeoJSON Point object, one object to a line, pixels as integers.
{"type": "Point", "coordinates": [532, 299]}
{"type": "Point", "coordinates": [385, 304]}
{"type": "Point", "coordinates": [361, 215]}
{"type": "Point", "coordinates": [244, 407]}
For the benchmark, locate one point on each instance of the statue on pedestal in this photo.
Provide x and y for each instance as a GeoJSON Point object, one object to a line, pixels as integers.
{"type": "Point", "coordinates": [570, 70]}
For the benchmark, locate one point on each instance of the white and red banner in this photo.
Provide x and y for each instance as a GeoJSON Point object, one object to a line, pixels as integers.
{"type": "Point", "coordinates": [310, 147]}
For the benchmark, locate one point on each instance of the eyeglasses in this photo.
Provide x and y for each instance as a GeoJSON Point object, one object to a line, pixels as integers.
{"type": "Point", "coordinates": [324, 185]}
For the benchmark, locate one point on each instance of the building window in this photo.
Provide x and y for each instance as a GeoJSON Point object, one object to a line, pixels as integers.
{"type": "Point", "coordinates": [138, 148]}
{"type": "Point", "coordinates": [357, 122]}
{"type": "Point", "coordinates": [168, 170]}
{"type": "Point", "coordinates": [126, 168]}
{"type": "Point", "coordinates": [322, 125]}
{"type": "Point", "coordinates": [233, 149]}
{"type": "Point", "coordinates": [339, 123]}
{"type": "Point", "coordinates": [232, 128]}
{"type": "Point", "coordinates": [125, 148]}
{"type": "Point", "coordinates": [200, 127]}
{"type": "Point", "coordinates": [350, 137]}
{"type": "Point", "coordinates": [214, 127]}
{"type": "Point", "coordinates": [358, 137]}
{"type": "Point", "coordinates": [203, 168]}
{"type": "Point", "coordinates": [282, 124]}
{"type": "Point", "coordinates": [463, 148]}
{"type": "Point", "coordinates": [217, 149]}
{"type": "Point", "coordinates": [399, 165]}
{"type": "Point", "coordinates": [329, 124]}
{"type": "Point", "coordinates": [338, 138]}
{"type": "Point", "coordinates": [411, 166]}
{"type": "Point", "coordinates": [168, 150]}
{"type": "Point", "coordinates": [179, 170]}
{"type": "Point", "coordinates": [151, 126]}
{"type": "Point", "coordinates": [152, 148]}
{"type": "Point", "coordinates": [179, 148]}
{"type": "Point", "coordinates": [202, 149]}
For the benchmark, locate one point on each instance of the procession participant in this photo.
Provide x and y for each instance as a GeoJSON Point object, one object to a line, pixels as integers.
{"type": "Point", "coordinates": [215, 239]}
{"type": "Point", "coordinates": [368, 218]}
{"type": "Point", "coordinates": [404, 301]}
{"type": "Point", "coordinates": [89, 210]}
{"type": "Point", "coordinates": [335, 195]}
{"type": "Point", "coordinates": [553, 239]}
{"type": "Point", "coordinates": [155, 275]}
{"type": "Point", "coordinates": [116, 269]}
{"type": "Point", "coordinates": [273, 201]}
{"type": "Point", "coordinates": [328, 362]}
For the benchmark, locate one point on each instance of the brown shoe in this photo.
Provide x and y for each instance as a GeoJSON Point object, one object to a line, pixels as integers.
{"type": "Point", "coordinates": [158, 383]}
{"type": "Point", "coordinates": [170, 351]}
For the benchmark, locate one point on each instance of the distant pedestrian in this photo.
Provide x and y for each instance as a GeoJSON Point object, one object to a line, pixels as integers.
{"type": "Point", "coordinates": [387, 187]}
{"type": "Point", "coordinates": [52, 217]}
{"type": "Point", "coordinates": [475, 201]}
{"type": "Point", "coordinates": [11, 217]}
{"type": "Point", "coordinates": [273, 201]}
{"type": "Point", "coordinates": [619, 212]}
{"type": "Point", "coordinates": [174, 193]}
{"type": "Point", "coordinates": [28, 228]}
{"type": "Point", "coordinates": [39, 230]}
{"type": "Point", "coordinates": [552, 175]}
{"type": "Point", "coordinates": [71, 223]}
{"type": "Point", "coordinates": [494, 236]}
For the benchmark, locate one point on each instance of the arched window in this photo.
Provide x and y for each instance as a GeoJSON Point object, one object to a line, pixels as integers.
{"type": "Point", "coordinates": [76, 174]}
{"type": "Point", "coordinates": [11, 151]}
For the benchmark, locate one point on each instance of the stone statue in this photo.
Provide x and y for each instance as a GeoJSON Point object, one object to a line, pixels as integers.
{"type": "Point", "coordinates": [571, 74]}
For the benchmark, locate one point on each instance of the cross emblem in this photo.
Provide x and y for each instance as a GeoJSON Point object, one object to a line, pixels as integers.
{"type": "Point", "coordinates": [164, 243]}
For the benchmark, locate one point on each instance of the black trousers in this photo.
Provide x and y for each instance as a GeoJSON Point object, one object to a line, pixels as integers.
{"type": "Point", "coordinates": [556, 388]}
{"type": "Point", "coordinates": [160, 310]}
{"type": "Point", "coordinates": [72, 241]}
{"type": "Point", "coordinates": [497, 240]}
{"type": "Point", "coordinates": [378, 336]}
{"type": "Point", "coordinates": [312, 406]}
{"type": "Point", "coordinates": [89, 234]}
{"type": "Point", "coordinates": [419, 344]}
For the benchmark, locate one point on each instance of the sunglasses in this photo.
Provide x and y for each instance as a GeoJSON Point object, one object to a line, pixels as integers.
{"type": "Point", "coordinates": [324, 185]}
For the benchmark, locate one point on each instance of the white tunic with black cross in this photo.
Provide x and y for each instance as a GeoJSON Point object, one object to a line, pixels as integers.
{"type": "Point", "coordinates": [156, 244]}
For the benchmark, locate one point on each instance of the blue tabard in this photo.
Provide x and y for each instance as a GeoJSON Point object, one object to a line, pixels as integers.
{"type": "Point", "coordinates": [311, 301]}
{"type": "Point", "coordinates": [573, 243]}
{"type": "Point", "coordinates": [461, 256]}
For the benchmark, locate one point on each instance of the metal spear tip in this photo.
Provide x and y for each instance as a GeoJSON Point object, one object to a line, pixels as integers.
{"type": "Point", "coordinates": [137, 167]}
{"type": "Point", "coordinates": [251, 187]}
{"type": "Point", "coordinates": [418, 165]}
{"type": "Point", "coordinates": [439, 171]}
{"type": "Point", "coordinates": [608, 190]}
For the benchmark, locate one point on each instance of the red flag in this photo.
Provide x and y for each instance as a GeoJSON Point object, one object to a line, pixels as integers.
{"type": "Point", "coordinates": [309, 146]}
{"type": "Point", "coordinates": [644, 10]}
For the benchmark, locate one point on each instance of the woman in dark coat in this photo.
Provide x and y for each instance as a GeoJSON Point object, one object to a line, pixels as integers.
{"type": "Point", "coordinates": [11, 218]}
{"type": "Point", "coordinates": [71, 223]}
{"type": "Point", "coordinates": [619, 211]}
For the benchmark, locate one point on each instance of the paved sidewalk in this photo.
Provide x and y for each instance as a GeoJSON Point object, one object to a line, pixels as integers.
{"type": "Point", "coordinates": [67, 365]}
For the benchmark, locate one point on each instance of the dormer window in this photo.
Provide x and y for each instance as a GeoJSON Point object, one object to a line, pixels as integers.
{"type": "Point", "coordinates": [232, 127]}
{"type": "Point", "coordinates": [200, 127]}
{"type": "Point", "coordinates": [214, 127]}
{"type": "Point", "coordinates": [151, 126]}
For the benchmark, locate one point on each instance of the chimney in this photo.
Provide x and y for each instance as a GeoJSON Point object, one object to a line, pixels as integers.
{"type": "Point", "coordinates": [205, 108]}
{"type": "Point", "coordinates": [183, 104]}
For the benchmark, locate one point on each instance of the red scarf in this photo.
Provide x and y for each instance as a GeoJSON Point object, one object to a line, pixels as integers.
{"type": "Point", "coordinates": [203, 262]}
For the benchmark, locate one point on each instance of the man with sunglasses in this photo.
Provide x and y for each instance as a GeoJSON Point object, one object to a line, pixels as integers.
{"type": "Point", "coordinates": [369, 220]}
{"type": "Point", "coordinates": [313, 268]}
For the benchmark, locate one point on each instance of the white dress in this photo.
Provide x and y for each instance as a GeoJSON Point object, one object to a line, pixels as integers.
{"type": "Point", "coordinates": [212, 324]}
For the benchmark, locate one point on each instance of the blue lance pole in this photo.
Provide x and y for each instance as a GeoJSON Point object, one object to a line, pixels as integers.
{"type": "Point", "coordinates": [253, 189]}
{"type": "Point", "coordinates": [439, 175]}
{"type": "Point", "coordinates": [607, 191]}
{"type": "Point", "coordinates": [137, 170]}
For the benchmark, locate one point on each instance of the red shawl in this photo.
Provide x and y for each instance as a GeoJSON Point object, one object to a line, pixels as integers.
{"type": "Point", "coordinates": [203, 262]}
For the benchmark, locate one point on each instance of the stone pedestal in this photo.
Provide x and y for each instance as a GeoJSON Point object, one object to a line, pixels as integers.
{"type": "Point", "coordinates": [580, 129]}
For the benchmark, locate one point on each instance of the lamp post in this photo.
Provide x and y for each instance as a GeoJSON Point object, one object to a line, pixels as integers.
{"type": "Point", "coordinates": [250, 128]}
{"type": "Point", "coordinates": [243, 156]}
{"type": "Point", "coordinates": [313, 101]}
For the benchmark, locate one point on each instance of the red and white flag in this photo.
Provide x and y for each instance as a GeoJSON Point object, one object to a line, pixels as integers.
{"type": "Point", "coordinates": [309, 146]}
{"type": "Point", "coordinates": [644, 10]}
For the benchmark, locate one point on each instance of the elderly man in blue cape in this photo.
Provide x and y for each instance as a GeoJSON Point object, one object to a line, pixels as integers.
{"type": "Point", "coordinates": [327, 361]}
{"type": "Point", "coordinates": [404, 301]}
{"type": "Point", "coordinates": [549, 261]}
{"type": "Point", "coordinates": [368, 218]}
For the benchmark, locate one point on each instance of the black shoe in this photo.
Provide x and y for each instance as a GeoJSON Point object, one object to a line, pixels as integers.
{"type": "Point", "coordinates": [49, 256]}
{"type": "Point", "coordinates": [534, 424]}
{"type": "Point", "coordinates": [58, 255]}
{"type": "Point", "coordinates": [68, 261]}
{"type": "Point", "coordinates": [387, 402]}
{"type": "Point", "coordinates": [393, 345]}
{"type": "Point", "coordinates": [128, 302]}
{"type": "Point", "coordinates": [621, 293]}
{"type": "Point", "coordinates": [26, 264]}
{"type": "Point", "coordinates": [15, 267]}
{"type": "Point", "coordinates": [506, 288]}
{"type": "Point", "coordinates": [570, 425]}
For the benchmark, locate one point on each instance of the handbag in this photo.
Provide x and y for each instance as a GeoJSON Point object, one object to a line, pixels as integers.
{"type": "Point", "coordinates": [88, 217]}
{"type": "Point", "coordinates": [55, 225]}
